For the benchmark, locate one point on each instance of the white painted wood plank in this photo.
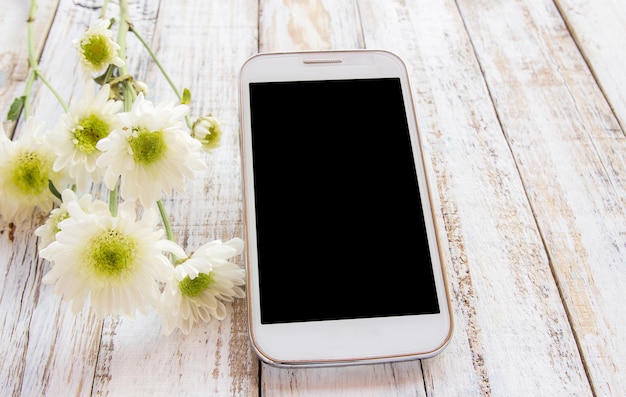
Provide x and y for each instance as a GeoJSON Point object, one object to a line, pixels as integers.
{"type": "Point", "coordinates": [292, 25]}
{"type": "Point", "coordinates": [600, 32]}
{"type": "Point", "coordinates": [201, 45]}
{"type": "Point", "coordinates": [569, 149]}
{"type": "Point", "coordinates": [512, 335]}
{"type": "Point", "coordinates": [385, 380]}
{"type": "Point", "coordinates": [13, 48]}
{"type": "Point", "coordinates": [19, 290]}
{"type": "Point", "coordinates": [62, 347]}
{"type": "Point", "coordinates": [215, 359]}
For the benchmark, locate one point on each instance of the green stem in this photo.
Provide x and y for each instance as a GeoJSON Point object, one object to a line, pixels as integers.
{"type": "Point", "coordinates": [109, 74]}
{"type": "Point", "coordinates": [166, 221]}
{"type": "Point", "coordinates": [161, 68]}
{"type": "Point", "coordinates": [121, 35]}
{"type": "Point", "coordinates": [27, 92]}
{"type": "Point", "coordinates": [103, 10]}
{"type": "Point", "coordinates": [156, 60]}
{"type": "Point", "coordinates": [129, 91]}
{"type": "Point", "coordinates": [128, 99]}
{"type": "Point", "coordinates": [168, 227]}
{"type": "Point", "coordinates": [113, 201]}
{"type": "Point", "coordinates": [36, 72]}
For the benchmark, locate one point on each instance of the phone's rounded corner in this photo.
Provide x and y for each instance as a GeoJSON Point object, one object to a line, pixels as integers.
{"type": "Point", "coordinates": [393, 55]}
{"type": "Point", "coordinates": [445, 342]}
{"type": "Point", "coordinates": [242, 68]}
{"type": "Point", "coordinates": [250, 59]}
{"type": "Point", "coordinates": [448, 301]}
{"type": "Point", "coordinates": [260, 352]}
{"type": "Point", "coordinates": [449, 331]}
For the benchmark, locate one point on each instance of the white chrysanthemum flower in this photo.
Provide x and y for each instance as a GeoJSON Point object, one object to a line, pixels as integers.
{"type": "Point", "coordinates": [97, 49]}
{"type": "Point", "coordinates": [150, 152]}
{"type": "Point", "coordinates": [48, 231]}
{"type": "Point", "coordinates": [208, 131]}
{"type": "Point", "coordinates": [74, 139]}
{"type": "Point", "coordinates": [25, 173]}
{"type": "Point", "coordinates": [199, 285]}
{"type": "Point", "coordinates": [112, 263]}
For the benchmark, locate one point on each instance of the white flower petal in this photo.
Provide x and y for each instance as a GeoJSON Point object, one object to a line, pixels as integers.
{"type": "Point", "coordinates": [179, 157]}
{"type": "Point", "coordinates": [32, 151]}
{"type": "Point", "coordinates": [181, 311]}
{"type": "Point", "coordinates": [75, 255]}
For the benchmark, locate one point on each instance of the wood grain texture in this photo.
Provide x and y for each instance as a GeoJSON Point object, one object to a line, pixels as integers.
{"type": "Point", "coordinates": [384, 380]}
{"type": "Point", "coordinates": [300, 25]}
{"type": "Point", "coordinates": [569, 149]}
{"type": "Point", "coordinates": [19, 292]}
{"type": "Point", "coordinates": [496, 260]}
{"type": "Point", "coordinates": [14, 66]}
{"type": "Point", "coordinates": [600, 33]}
{"type": "Point", "coordinates": [521, 113]}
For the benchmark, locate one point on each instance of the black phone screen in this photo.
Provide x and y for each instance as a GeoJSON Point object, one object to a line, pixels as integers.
{"type": "Point", "coordinates": [340, 227]}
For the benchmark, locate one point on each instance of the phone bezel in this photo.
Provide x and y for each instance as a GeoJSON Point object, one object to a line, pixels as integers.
{"type": "Point", "coordinates": [338, 342]}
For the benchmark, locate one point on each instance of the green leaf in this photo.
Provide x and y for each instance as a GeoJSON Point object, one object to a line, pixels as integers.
{"type": "Point", "coordinates": [186, 97]}
{"type": "Point", "coordinates": [16, 108]}
{"type": "Point", "coordinates": [54, 190]}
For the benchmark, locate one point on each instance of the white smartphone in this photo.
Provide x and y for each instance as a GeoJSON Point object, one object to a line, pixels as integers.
{"type": "Point", "coordinates": [343, 260]}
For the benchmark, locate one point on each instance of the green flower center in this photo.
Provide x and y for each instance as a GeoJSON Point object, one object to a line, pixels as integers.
{"type": "Point", "coordinates": [31, 173]}
{"type": "Point", "coordinates": [148, 147]}
{"type": "Point", "coordinates": [91, 130]}
{"type": "Point", "coordinates": [111, 255]}
{"type": "Point", "coordinates": [58, 220]}
{"type": "Point", "coordinates": [96, 50]}
{"type": "Point", "coordinates": [192, 288]}
{"type": "Point", "coordinates": [212, 139]}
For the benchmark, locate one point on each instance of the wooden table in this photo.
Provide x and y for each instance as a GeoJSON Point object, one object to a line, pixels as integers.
{"type": "Point", "coordinates": [522, 110]}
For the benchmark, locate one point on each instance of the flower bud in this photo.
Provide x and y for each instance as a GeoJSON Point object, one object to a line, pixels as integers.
{"type": "Point", "coordinates": [208, 131]}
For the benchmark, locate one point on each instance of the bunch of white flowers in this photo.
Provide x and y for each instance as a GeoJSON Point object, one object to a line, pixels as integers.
{"type": "Point", "coordinates": [101, 254]}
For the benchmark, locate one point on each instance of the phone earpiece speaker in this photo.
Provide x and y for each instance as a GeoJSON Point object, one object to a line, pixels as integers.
{"type": "Point", "coordinates": [322, 60]}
